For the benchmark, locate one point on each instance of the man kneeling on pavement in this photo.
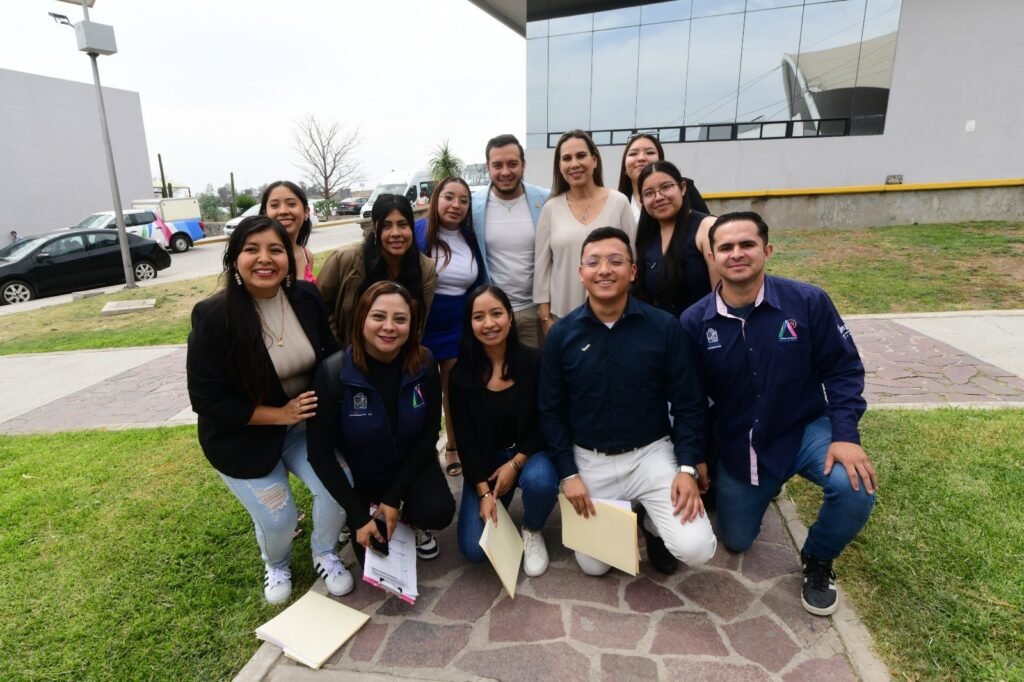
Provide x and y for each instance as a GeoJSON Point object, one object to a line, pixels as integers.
{"type": "Point", "coordinates": [786, 379]}
{"type": "Point", "coordinates": [610, 369]}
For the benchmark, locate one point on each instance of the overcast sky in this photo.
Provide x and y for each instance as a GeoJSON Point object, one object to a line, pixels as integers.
{"type": "Point", "coordinates": [222, 82]}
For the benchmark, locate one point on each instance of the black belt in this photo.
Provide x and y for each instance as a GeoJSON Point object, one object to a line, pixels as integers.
{"type": "Point", "coordinates": [607, 451]}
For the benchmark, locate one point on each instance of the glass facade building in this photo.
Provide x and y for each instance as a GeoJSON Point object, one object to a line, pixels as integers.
{"type": "Point", "coordinates": [704, 70]}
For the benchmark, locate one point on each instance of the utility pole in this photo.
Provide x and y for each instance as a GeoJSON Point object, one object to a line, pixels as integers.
{"type": "Point", "coordinates": [163, 180]}
{"type": "Point", "coordinates": [96, 39]}
{"type": "Point", "coordinates": [233, 194]}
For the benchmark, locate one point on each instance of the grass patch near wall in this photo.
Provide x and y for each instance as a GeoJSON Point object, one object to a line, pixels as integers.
{"type": "Point", "coordinates": [911, 268]}
{"type": "Point", "coordinates": [937, 573]}
{"type": "Point", "coordinates": [917, 268]}
{"type": "Point", "coordinates": [124, 557]}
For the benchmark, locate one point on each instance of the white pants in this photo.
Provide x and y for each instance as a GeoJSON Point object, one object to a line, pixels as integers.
{"type": "Point", "coordinates": [645, 475]}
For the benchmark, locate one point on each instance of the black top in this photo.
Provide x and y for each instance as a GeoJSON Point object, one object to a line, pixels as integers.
{"type": "Point", "coordinates": [488, 421]}
{"type": "Point", "coordinates": [233, 446]}
{"type": "Point", "coordinates": [386, 378]}
{"type": "Point", "coordinates": [696, 280]}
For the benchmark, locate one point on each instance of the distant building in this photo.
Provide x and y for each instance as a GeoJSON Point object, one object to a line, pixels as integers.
{"type": "Point", "coordinates": [751, 95]}
{"type": "Point", "coordinates": [53, 168]}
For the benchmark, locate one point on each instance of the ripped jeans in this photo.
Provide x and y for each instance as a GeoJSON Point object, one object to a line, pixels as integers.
{"type": "Point", "coordinates": [269, 501]}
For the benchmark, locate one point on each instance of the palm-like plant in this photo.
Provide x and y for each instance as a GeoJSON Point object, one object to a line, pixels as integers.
{"type": "Point", "coordinates": [444, 164]}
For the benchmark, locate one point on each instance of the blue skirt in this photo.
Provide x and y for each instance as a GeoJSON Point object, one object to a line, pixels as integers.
{"type": "Point", "coordinates": [444, 326]}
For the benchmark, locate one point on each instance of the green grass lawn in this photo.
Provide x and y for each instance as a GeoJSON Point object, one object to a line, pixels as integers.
{"type": "Point", "coordinates": [938, 573]}
{"type": "Point", "coordinates": [125, 557]}
{"type": "Point", "coordinates": [881, 270]}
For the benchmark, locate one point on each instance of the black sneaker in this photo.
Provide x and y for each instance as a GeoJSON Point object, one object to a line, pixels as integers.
{"type": "Point", "coordinates": [819, 595]}
{"type": "Point", "coordinates": [659, 556]}
{"type": "Point", "coordinates": [426, 545]}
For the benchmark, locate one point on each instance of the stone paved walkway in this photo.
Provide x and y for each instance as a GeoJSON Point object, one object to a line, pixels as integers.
{"type": "Point", "coordinates": [738, 618]}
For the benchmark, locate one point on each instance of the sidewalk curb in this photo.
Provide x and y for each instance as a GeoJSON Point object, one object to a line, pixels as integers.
{"type": "Point", "coordinates": [1012, 312]}
{"type": "Point", "coordinates": [852, 632]}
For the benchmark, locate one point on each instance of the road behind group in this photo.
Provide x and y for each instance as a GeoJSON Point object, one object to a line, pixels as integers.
{"type": "Point", "coordinates": [206, 258]}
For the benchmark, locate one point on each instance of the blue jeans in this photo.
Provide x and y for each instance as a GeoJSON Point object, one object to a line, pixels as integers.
{"type": "Point", "coordinates": [268, 500]}
{"type": "Point", "coordinates": [843, 512]}
{"type": "Point", "coordinates": [539, 483]}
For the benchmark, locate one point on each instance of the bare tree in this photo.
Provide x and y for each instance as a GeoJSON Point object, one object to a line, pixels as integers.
{"type": "Point", "coordinates": [327, 153]}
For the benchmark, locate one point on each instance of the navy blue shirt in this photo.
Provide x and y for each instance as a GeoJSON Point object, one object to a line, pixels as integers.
{"type": "Point", "coordinates": [766, 374]}
{"type": "Point", "coordinates": [609, 388]}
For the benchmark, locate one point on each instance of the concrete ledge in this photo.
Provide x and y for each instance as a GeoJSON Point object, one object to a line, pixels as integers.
{"type": "Point", "coordinates": [879, 208]}
{"type": "Point", "coordinates": [852, 632]}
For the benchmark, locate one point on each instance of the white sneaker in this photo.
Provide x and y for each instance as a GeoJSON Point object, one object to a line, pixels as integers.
{"type": "Point", "coordinates": [337, 578]}
{"type": "Point", "coordinates": [277, 585]}
{"type": "Point", "coordinates": [535, 553]}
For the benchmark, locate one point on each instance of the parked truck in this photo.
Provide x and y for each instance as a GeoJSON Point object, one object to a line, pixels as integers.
{"type": "Point", "coordinates": [180, 221]}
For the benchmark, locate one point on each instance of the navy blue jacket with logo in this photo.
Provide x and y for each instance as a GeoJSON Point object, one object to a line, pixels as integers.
{"type": "Point", "coordinates": [792, 361]}
{"type": "Point", "coordinates": [357, 427]}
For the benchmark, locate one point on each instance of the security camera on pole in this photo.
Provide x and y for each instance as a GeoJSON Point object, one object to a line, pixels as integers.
{"type": "Point", "coordinates": [96, 39]}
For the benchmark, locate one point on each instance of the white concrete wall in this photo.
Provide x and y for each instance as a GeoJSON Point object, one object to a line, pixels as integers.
{"type": "Point", "coordinates": [955, 62]}
{"type": "Point", "coordinates": [53, 169]}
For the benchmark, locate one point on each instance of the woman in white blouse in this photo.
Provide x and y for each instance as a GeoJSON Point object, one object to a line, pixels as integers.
{"type": "Point", "coordinates": [579, 203]}
{"type": "Point", "coordinates": [447, 237]}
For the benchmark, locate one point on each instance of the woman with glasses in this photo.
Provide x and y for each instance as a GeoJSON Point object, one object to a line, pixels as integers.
{"type": "Point", "coordinates": [643, 149]}
{"type": "Point", "coordinates": [447, 237]}
{"type": "Point", "coordinates": [674, 267]}
{"type": "Point", "coordinates": [578, 204]}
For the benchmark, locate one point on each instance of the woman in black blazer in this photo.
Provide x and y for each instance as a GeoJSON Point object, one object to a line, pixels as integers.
{"type": "Point", "coordinates": [252, 352]}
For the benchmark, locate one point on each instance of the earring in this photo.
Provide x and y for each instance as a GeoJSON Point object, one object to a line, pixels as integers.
{"type": "Point", "coordinates": [288, 281]}
{"type": "Point", "coordinates": [238, 278]}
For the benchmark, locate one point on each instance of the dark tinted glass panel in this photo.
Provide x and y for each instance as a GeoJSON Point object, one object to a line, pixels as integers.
{"type": "Point", "coordinates": [537, 85]}
{"type": "Point", "coordinates": [617, 18]}
{"type": "Point", "coordinates": [713, 69]}
{"type": "Point", "coordinates": [613, 92]}
{"type": "Point", "coordinates": [767, 38]}
{"type": "Point", "coordinates": [661, 90]}
{"type": "Point", "coordinates": [569, 81]}
{"type": "Point", "coordinates": [665, 11]}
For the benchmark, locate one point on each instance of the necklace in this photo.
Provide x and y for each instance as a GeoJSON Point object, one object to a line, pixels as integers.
{"type": "Point", "coordinates": [278, 339]}
{"type": "Point", "coordinates": [586, 212]}
{"type": "Point", "coordinates": [507, 204]}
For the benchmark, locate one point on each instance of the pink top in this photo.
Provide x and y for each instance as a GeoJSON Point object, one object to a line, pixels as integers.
{"type": "Point", "coordinates": [308, 274]}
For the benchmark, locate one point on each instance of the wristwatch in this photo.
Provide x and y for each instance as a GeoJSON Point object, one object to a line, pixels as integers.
{"type": "Point", "coordinates": [685, 469]}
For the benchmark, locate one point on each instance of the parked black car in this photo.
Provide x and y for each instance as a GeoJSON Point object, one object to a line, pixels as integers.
{"type": "Point", "coordinates": [72, 260]}
{"type": "Point", "coordinates": [350, 206]}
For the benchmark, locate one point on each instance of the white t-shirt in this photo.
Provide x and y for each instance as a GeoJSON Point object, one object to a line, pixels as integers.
{"type": "Point", "coordinates": [636, 208]}
{"type": "Point", "coordinates": [510, 243]}
{"type": "Point", "coordinates": [457, 276]}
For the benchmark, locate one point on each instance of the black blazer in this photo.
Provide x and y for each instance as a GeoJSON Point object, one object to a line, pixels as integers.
{"type": "Point", "coordinates": [233, 447]}
{"type": "Point", "coordinates": [474, 423]}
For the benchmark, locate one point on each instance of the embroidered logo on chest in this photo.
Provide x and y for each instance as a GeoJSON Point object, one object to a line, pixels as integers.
{"type": "Point", "coordinates": [359, 401]}
{"type": "Point", "coordinates": [712, 337]}
{"type": "Point", "coordinates": [787, 332]}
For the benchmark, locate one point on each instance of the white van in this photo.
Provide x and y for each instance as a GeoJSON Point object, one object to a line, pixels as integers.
{"type": "Point", "coordinates": [407, 183]}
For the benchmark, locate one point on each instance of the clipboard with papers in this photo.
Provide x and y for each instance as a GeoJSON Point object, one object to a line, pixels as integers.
{"type": "Point", "coordinates": [396, 572]}
{"type": "Point", "coordinates": [608, 536]}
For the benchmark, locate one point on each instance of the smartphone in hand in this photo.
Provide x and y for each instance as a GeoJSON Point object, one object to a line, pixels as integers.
{"type": "Point", "coordinates": [377, 545]}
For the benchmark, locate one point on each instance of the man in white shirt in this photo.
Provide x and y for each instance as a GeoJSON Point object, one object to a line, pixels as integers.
{"type": "Point", "coordinates": [505, 220]}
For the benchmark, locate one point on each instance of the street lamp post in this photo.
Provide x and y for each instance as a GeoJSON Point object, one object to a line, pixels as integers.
{"type": "Point", "coordinates": [96, 39]}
